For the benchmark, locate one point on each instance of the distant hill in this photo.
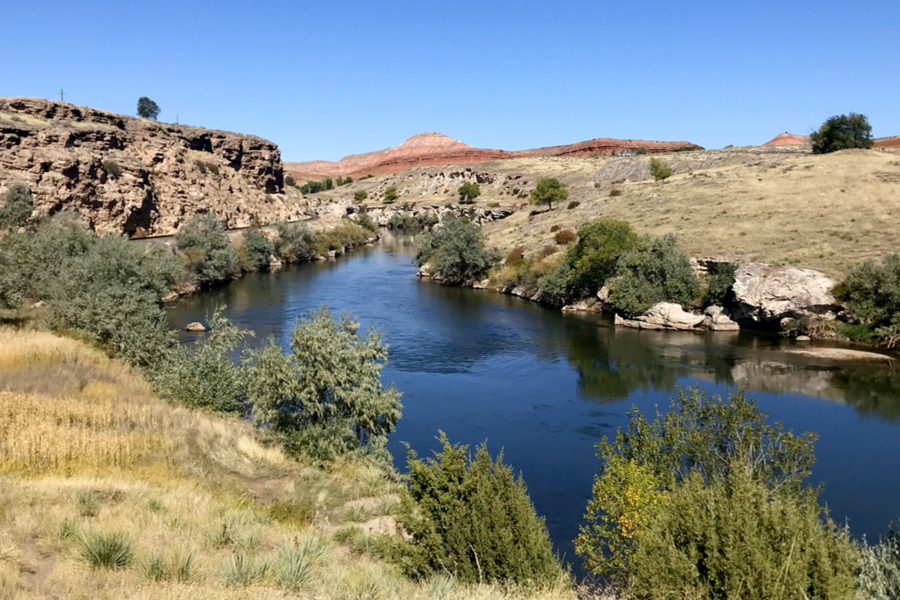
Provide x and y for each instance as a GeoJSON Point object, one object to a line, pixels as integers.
{"type": "Point", "coordinates": [434, 149]}
{"type": "Point", "coordinates": [788, 139]}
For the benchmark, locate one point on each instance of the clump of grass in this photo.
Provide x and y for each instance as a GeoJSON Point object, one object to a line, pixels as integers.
{"type": "Point", "coordinates": [348, 532]}
{"type": "Point", "coordinates": [294, 567]}
{"type": "Point", "coordinates": [178, 568]}
{"type": "Point", "coordinates": [154, 568]}
{"type": "Point", "coordinates": [442, 586]}
{"type": "Point", "coordinates": [153, 504]}
{"type": "Point", "coordinates": [68, 529]}
{"type": "Point", "coordinates": [388, 505]}
{"type": "Point", "coordinates": [106, 550]}
{"type": "Point", "coordinates": [88, 502]}
{"type": "Point", "coordinates": [183, 567]}
{"type": "Point", "coordinates": [241, 571]}
{"type": "Point", "coordinates": [221, 538]}
{"type": "Point", "coordinates": [355, 512]}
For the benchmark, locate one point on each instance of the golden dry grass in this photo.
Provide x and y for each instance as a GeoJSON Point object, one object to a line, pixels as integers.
{"type": "Point", "coordinates": [91, 449]}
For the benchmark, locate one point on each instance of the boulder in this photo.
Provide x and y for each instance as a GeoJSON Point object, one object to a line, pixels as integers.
{"type": "Point", "coordinates": [671, 316]}
{"type": "Point", "coordinates": [718, 320]}
{"type": "Point", "coordinates": [195, 326]}
{"type": "Point", "coordinates": [767, 294]}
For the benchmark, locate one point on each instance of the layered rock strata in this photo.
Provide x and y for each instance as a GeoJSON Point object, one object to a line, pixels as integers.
{"type": "Point", "coordinates": [134, 176]}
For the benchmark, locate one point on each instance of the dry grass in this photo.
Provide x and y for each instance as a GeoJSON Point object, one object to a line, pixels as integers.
{"type": "Point", "coordinates": [94, 452]}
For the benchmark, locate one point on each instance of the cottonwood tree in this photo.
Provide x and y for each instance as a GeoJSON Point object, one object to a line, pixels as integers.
{"type": "Point", "coordinates": [547, 191]}
{"type": "Point", "coordinates": [842, 132]}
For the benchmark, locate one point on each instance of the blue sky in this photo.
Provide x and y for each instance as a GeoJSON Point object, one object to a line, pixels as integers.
{"type": "Point", "coordinates": [325, 79]}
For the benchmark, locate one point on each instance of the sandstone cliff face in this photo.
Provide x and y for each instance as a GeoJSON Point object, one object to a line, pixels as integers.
{"type": "Point", "coordinates": [435, 149]}
{"type": "Point", "coordinates": [130, 175]}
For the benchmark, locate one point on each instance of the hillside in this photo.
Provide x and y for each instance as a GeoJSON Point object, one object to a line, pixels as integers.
{"type": "Point", "coordinates": [208, 511]}
{"type": "Point", "coordinates": [134, 176]}
{"type": "Point", "coordinates": [434, 149]}
{"type": "Point", "coordinates": [778, 204]}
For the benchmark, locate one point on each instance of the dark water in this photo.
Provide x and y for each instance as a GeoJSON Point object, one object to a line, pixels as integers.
{"type": "Point", "coordinates": [545, 386]}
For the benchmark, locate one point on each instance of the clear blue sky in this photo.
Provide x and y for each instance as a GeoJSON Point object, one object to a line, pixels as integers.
{"type": "Point", "coordinates": [325, 79]}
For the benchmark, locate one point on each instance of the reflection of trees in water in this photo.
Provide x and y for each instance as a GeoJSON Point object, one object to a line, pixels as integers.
{"type": "Point", "coordinates": [614, 363]}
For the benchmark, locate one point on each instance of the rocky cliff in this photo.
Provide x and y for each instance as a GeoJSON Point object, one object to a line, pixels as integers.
{"type": "Point", "coordinates": [435, 149]}
{"type": "Point", "coordinates": [134, 176]}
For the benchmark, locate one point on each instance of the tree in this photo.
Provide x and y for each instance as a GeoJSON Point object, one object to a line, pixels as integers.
{"type": "Point", "coordinates": [456, 250]}
{"type": "Point", "coordinates": [547, 191]}
{"type": "Point", "coordinates": [390, 194]}
{"type": "Point", "coordinates": [594, 257]}
{"type": "Point", "coordinates": [641, 151]}
{"type": "Point", "coordinates": [842, 132]}
{"type": "Point", "coordinates": [288, 180]}
{"type": "Point", "coordinates": [147, 108]}
{"type": "Point", "coordinates": [18, 207]}
{"type": "Point", "coordinates": [472, 518]}
{"type": "Point", "coordinates": [360, 195]}
{"type": "Point", "coordinates": [296, 241]}
{"type": "Point", "coordinates": [208, 249]}
{"type": "Point", "coordinates": [659, 170]}
{"type": "Point", "coordinates": [468, 192]}
{"type": "Point", "coordinates": [325, 397]}
{"type": "Point", "coordinates": [259, 247]}
{"type": "Point", "coordinates": [329, 184]}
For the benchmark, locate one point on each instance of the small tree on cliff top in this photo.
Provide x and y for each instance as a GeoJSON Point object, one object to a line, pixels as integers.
{"type": "Point", "coordinates": [147, 108]}
{"type": "Point", "coordinates": [468, 192]}
{"type": "Point", "coordinates": [547, 191]}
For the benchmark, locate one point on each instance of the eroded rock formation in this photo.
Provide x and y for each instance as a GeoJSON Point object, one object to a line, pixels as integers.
{"type": "Point", "coordinates": [766, 293]}
{"type": "Point", "coordinates": [434, 149]}
{"type": "Point", "coordinates": [130, 175]}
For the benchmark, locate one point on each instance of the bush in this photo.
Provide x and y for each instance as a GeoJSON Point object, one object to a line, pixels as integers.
{"type": "Point", "coordinates": [842, 132]}
{"type": "Point", "coordinates": [366, 222]}
{"type": "Point", "coordinates": [456, 250]}
{"type": "Point", "coordinates": [872, 291]}
{"type": "Point", "coordinates": [659, 170]}
{"type": "Point", "coordinates": [348, 234]}
{"type": "Point", "coordinates": [288, 180]}
{"type": "Point", "coordinates": [390, 195]}
{"type": "Point", "coordinates": [573, 204]}
{"type": "Point", "coordinates": [360, 195]}
{"type": "Point", "coordinates": [111, 168]}
{"type": "Point", "coordinates": [260, 248]}
{"type": "Point", "coordinates": [106, 550]}
{"type": "Point", "coordinates": [594, 257]}
{"type": "Point", "coordinates": [699, 434]}
{"type": "Point", "coordinates": [147, 108]}
{"type": "Point", "coordinates": [205, 243]}
{"type": "Point", "coordinates": [18, 207]}
{"type": "Point", "coordinates": [409, 221]}
{"type": "Point", "coordinates": [295, 242]}
{"type": "Point", "coordinates": [734, 537]}
{"type": "Point", "coordinates": [721, 280]}
{"type": "Point", "coordinates": [547, 191]}
{"type": "Point", "coordinates": [468, 192]}
{"type": "Point", "coordinates": [325, 398]}
{"type": "Point", "coordinates": [205, 375]}
{"type": "Point", "coordinates": [613, 193]}
{"type": "Point", "coordinates": [564, 237]}
{"type": "Point", "coordinates": [471, 518]}
{"type": "Point", "coordinates": [554, 228]}
{"type": "Point", "coordinates": [640, 151]}
{"type": "Point", "coordinates": [653, 271]}
{"type": "Point", "coordinates": [516, 257]}
{"type": "Point", "coordinates": [878, 576]}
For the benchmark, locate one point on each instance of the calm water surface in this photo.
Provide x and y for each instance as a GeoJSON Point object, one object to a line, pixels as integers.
{"type": "Point", "coordinates": [545, 386]}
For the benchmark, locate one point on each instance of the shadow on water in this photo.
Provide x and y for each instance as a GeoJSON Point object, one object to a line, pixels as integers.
{"type": "Point", "coordinates": [546, 386]}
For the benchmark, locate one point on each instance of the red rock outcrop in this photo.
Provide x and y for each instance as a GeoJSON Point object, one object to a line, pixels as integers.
{"type": "Point", "coordinates": [888, 142]}
{"type": "Point", "coordinates": [788, 139]}
{"type": "Point", "coordinates": [435, 149]}
{"type": "Point", "coordinates": [129, 175]}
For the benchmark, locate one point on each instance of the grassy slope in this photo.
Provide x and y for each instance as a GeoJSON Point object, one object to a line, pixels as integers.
{"type": "Point", "coordinates": [86, 447]}
{"type": "Point", "coordinates": [777, 205]}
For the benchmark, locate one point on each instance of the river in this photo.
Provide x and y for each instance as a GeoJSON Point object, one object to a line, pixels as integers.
{"type": "Point", "coordinates": [544, 386]}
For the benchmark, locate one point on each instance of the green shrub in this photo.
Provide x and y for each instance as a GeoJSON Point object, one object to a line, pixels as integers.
{"type": "Point", "coordinates": [613, 193]}
{"type": "Point", "coordinates": [106, 550]}
{"type": "Point", "coordinates": [260, 248]}
{"type": "Point", "coordinates": [659, 170]}
{"type": "Point", "coordinates": [653, 271]}
{"type": "Point", "coordinates": [242, 571]}
{"type": "Point", "coordinates": [456, 250]}
{"type": "Point", "coordinates": [360, 195]}
{"type": "Point", "coordinates": [842, 132]}
{"type": "Point", "coordinates": [288, 180]}
{"type": "Point", "coordinates": [204, 375]}
{"type": "Point", "coordinates": [472, 519]}
{"type": "Point", "coordinates": [547, 191]}
{"type": "Point", "coordinates": [641, 151]}
{"type": "Point", "coordinates": [294, 568]}
{"type": "Point", "coordinates": [554, 228]}
{"type": "Point", "coordinates": [348, 234]}
{"type": "Point", "coordinates": [735, 537]}
{"type": "Point", "coordinates": [325, 397]}
{"type": "Point", "coordinates": [516, 257]}
{"type": "Point", "coordinates": [366, 222]}
{"type": "Point", "coordinates": [111, 168]}
{"type": "Point", "coordinates": [700, 436]}
{"type": "Point", "coordinates": [205, 243]}
{"type": "Point", "coordinates": [295, 242]}
{"type": "Point", "coordinates": [872, 291]}
{"type": "Point", "coordinates": [390, 195]}
{"type": "Point", "coordinates": [721, 280]}
{"type": "Point", "coordinates": [468, 192]}
{"type": "Point", "coordinates": [564, 237]}
{"type": "Point", "coordinates": [593, 258]}
{"type": "Point", "coordinates": [573, 204]}
{"type": "Point", "coordinates": [878, 575]}
{"type": "Point", "coordinates": [18, 207]}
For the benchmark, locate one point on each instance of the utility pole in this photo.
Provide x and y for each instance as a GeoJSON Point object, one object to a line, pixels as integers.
{"type": "Point", "coordinates": [62, 97]}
